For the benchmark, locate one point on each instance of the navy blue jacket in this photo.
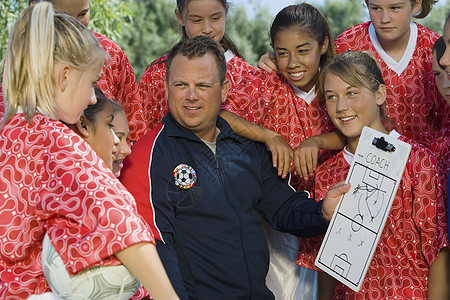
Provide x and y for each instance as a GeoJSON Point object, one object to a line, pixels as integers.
{"type": "Point", "coordinates": [213, 245]}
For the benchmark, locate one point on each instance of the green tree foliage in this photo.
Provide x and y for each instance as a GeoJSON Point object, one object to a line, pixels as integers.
{"type": "Point", "coordinates": [436, 19]}
{"type": "Point", "coordinates": [342, 14]}
{"type": "Point", "coordinates": [107, 17]}
{"type": "Point", "coordinates": [9, 11]}
{"type": "Point", "coordinates": [251, 36]}
{"type": "Point", "coordinates": [154, 30]}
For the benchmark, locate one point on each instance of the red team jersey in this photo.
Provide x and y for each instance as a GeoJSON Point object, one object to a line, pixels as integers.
{"type": "Point", "coordinates": [412, 102]}
{"type": "Point", "coordinates": [51, 181]}
{"type": "Point", "coordinates": [118, 83]}
{"type": "Point", "coordinates": [414, 233]}
{"type": "Point", "coordinates": [269, 100]}
{"type": "Point", "coordinates": [152, 92]}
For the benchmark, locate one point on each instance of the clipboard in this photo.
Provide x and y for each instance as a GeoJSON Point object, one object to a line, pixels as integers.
{"type": "Point", "coordinates": [360, 216]}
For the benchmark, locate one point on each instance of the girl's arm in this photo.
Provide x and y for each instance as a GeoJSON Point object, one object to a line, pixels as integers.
{"type": "Point", "coordinates": [439, 276]}
{"type": "Point", "coordinates": [143, 261]}
{"type": "Point", "coordinates": [281, 151]}
{"type": "Point", "coordinates": [267, 63]}
{"type": "Point", "coordinates": [306, 154]}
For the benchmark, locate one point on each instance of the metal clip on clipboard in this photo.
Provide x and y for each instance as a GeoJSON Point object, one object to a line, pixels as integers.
{"type": "Point", "coordinates": [381, 143]}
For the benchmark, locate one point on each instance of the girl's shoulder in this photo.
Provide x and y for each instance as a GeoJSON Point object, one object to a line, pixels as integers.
{"type": "Point", "coordinates": [335, 162]}
{"type": "Point", "coordinates": [419, 152]}
{"type": "Point", "coordinates": [356, 30]}
{"type": "Point", "coordinates": [425, 36]}
{"type": "Point", "coordinates": [107, 44]}
{"type": "Point", "coordinates": [355, 38]}
{"type": "Point", "coordinates": [155, 71]}
{"type": "Point", "coordinates": [260, 79]}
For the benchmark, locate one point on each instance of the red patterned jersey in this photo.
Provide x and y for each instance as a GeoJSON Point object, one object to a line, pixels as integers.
{"type": "Point", "coordinates": [51, 181]}
{"type": "Point", "coordinates": [412, 102]}
{"type": "Point", "coordinates": [415, 230]}
{"type": "Point", "coordinates": [152, 92]}
{"type": "Point", "coordinates": [269, 100]}
{"type": "Point", "coordinates": [2, 105]}
{"type": "Point", "coordinates": [118, 83]}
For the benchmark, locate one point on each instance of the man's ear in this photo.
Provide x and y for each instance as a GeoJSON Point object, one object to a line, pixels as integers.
{"type": "Point", "coordinates": [84, 127]}
{"type": "Point", "coordinates": [225, 90]}
{"type": "Point", "coordinates": [166, 88]}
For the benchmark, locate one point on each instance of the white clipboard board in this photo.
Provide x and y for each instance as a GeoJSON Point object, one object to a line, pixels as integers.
{"type": "Point", "coordinates": [360, 216]}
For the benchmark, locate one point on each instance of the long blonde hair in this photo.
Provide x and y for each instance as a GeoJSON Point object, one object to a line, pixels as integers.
{"type": "Point", "coordinates": [39, 40]}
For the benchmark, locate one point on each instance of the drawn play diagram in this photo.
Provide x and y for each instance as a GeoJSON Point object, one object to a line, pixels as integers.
{"type": "Point", "coordinates": [354, 230]}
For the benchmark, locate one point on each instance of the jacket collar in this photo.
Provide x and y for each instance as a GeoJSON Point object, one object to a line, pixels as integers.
{"type": "Point", "coordinates": [174, 129]}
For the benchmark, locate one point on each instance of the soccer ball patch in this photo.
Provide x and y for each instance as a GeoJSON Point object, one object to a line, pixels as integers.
{"type": "Point", "coordinates": [185, 176]}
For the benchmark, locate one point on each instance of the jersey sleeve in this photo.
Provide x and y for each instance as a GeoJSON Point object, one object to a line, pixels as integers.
{"type": "Point", "coordinates": [237, 69]}
{"type": "Point", "coordinates": [90, 214]}
{"type": "Point", "coordinates": [354, 38]}
{"type": "Point", "coordinates": [251, 98]}
{"type": "Point", "coordinates": [152, 92]}
{"type": "Point", "coordinates": [428, 203]}
{"type": "Point", "coordinates": [118, 82]}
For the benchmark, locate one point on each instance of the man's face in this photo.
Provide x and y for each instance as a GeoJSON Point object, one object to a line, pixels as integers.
{"type": "Point", "coordinates": [194, 94]}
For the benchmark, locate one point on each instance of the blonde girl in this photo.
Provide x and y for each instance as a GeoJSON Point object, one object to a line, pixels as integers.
{"type": "Point", "coordinates": [52, 182]}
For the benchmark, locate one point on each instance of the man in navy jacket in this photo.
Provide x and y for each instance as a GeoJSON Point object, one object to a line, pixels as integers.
{"type": "Point", "coordinates": [204, 189]}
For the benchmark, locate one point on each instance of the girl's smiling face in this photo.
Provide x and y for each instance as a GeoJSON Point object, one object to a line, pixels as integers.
{"type": "Point", "coordinates": [298, 56]}
{"type": "Point", "coordinates": [351, 108]}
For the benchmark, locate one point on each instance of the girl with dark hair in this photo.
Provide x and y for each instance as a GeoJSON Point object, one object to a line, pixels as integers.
{"type": "Point", "coordinates": [197, 17]}
{"type": "Point", "coordinates": [286, 103]}
{"type": "Point", "coordinates": [95, 126]}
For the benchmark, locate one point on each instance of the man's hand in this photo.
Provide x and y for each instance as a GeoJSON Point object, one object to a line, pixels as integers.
{"type": "Point", "coordinates": [332, 198]}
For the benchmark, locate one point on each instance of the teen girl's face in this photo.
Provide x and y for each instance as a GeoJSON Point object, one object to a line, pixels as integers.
{"type": "Point", "coordinates": [101, 136]}
{"type": "Point", "coordinates": [123, 149]}
{"type": "Point", "coordinates": [204, 17]}
{"type": "Point", "coordinates": [79, 9]}
{"type": "Point", "coordinates": [351, 108]}
{"type": "Point", "coordinates": [74, 91]}
{"type": "Point", "coordinates": [442, 79]}
{"type": "Point", "coordinates": [298, 57]}
{"type": "Point", "coordinates": [391, 19]}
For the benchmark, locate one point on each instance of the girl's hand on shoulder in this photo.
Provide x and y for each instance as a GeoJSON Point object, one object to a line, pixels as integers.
{"type": "Point", "coordinates": [267, 62]}
{"type": "Point", "coordinates": [281, 153]}
{"type": "Point", "coordinates": [305, 157]}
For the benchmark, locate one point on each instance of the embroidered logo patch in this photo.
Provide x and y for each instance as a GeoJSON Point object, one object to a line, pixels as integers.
{"type": "Point", "coordinates": [185, 176]}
